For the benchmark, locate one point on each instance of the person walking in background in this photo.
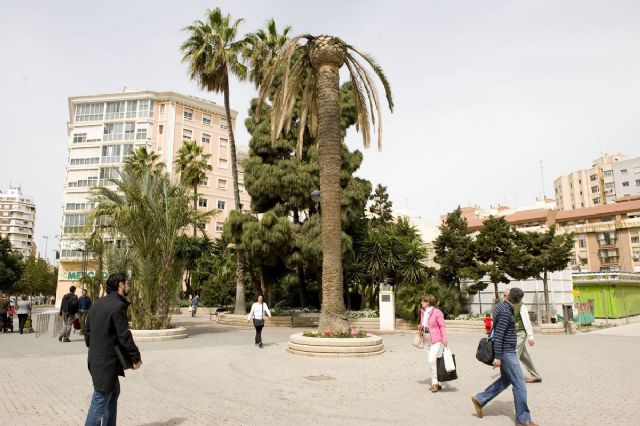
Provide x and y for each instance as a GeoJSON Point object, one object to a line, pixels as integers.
{"type": "Point", "coordinates": [4, 311]}
{"type": "Point", "coordinates": [504, 346]}
{"type": "Point", "coordinates": [257, 312]}
{"type": "Point", "coordinates": [106, 335]}
{"type": "Point", "coordinates": [68, 310]}
{"type": "Point", "coordinates": [488, 323]}
{"type": "Point", "coordinates": [524, 333]}
{"type": "Point", "coordinates": [433, 328]}
{"type": "Point", "coordinates": [84, 304]}
{"type": "Point", "coordinates": [24, 309]}
{"type": "Point", "coordinates": [194, 304]}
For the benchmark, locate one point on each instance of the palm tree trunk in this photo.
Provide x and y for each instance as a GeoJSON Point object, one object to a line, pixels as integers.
{"type": "Point", "coordinates": [195, 206]}
{"type": "Point", "coordinates": [240, 306]}
{"type": "Point", "coordinates": [333, 316]}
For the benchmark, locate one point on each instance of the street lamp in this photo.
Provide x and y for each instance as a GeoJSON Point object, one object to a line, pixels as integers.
{"type": "Point", "coordinates": [315, 196]}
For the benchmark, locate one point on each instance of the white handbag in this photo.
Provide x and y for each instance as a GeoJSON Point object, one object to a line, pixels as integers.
{"type": "Point", "coordinates": [449, 364]}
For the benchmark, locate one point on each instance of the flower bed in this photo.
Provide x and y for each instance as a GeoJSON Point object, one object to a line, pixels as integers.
{"type": "Point", "coordinates": [339, 335]}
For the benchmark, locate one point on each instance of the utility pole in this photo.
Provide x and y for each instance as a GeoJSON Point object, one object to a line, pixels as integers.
{"type": "Point", "coordinates": [544, 196]}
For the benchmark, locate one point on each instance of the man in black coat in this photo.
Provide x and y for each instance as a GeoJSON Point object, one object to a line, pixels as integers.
{"type": "Point", "coordinates": [106, 333]}
{"type": "Point", "coordinates": [68, 311]}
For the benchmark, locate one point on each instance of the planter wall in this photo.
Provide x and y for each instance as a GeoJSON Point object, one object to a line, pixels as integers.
{"type": "Point", "coordinates": [175, 333]}
{"type": "Point", "coordinates": [335, 347]}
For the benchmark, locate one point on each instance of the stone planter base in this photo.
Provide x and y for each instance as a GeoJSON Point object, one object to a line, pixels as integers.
{"type": "Point", "coordinates": [175, 333]}
{"type": "Point", "coordinates": [335, 347]}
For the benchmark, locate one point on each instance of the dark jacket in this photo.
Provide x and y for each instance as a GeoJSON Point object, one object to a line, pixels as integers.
{"type": "Point", "coordinates": [84, 303]}
{"type": "Point", "coordinates": [504, 329]}
{"type": "Point", "coordinates": [107, 326]}
{"type": "Point", "coordinates": [69, 304]}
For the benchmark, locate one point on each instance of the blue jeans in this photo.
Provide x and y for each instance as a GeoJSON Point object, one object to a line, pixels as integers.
{"type": "Point", "coordinates": [510, 374]}
{"type": "Point", "coordinates": [104, 407]}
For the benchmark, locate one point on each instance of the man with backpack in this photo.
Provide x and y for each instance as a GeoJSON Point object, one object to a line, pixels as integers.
{"type": "Point", "coordinates": [68, 310]}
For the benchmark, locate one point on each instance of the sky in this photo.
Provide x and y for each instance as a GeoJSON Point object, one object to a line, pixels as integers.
{"type": "Point", "coordinates": [484, 91]}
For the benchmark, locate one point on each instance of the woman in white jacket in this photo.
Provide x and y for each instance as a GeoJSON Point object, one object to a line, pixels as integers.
{"type": "Point", "coordinates": [258, 310]}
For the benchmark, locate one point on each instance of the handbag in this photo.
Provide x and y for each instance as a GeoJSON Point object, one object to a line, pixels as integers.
{"type": "Point", "coordinates": [76, 324]}
{"type": "Point", "coordinates": [485, 353]}
{"type": "Point", "coordinates": [418, 340]}
{"type": "Point", "coordinates": [449, 362]}
{"type": "Point", "coordinates": [443, 374]}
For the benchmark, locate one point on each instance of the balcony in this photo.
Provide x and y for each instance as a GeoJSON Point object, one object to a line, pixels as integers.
{"type": "Point", "coordinates": [605, 278]}
{"type": "Point", "coordinates": [611, 260]}
{"type": "Point", "coordinates": [610, 242]}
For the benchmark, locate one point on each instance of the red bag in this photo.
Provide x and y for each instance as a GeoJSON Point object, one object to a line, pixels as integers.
{"type": "Point", "coordinates": [76, 324]}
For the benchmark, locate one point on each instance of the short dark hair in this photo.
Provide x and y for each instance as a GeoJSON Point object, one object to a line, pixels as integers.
{"type": "Point", "coordinates": [72, 289]}
{"type": "Point", "coordinates": [515, 295]}
{"type": "Point", "coordinates": [114, 280]}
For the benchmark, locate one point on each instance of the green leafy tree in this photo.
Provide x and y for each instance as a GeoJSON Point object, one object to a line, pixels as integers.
{"type": "Point", "coordinates": [11, 265]}
{"type": "Point", "coordinates": [448, 299]}
{"type": "Point", "coordinates": [149, 211]}
{"type": "Point", "coordinates": [547, 252]}
{"type": "Point", "coordinates": [381, 208]}
{"type": "Point", "coordinates": [503, 257]}
{"type": "Point", "coordinates": [455, 251]}
{"type": "Point", "coordinates": [189, 250]}
{"type": "Point", "coordinates": [311, 71]}
{"type": "Point", "coordinates": [213, 55]}
{"type": "Point", "coordinates": [37, 277]}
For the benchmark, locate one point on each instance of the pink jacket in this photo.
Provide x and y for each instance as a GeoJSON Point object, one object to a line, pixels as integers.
{"type": "Point", "coordinates": [437, 328]}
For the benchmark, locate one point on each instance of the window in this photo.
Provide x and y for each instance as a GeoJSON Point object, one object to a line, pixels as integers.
{"type": "Point", "coordinates": [609, 185]}
{"type": "Point", "coordinates": [203, 202]}
{"type": "Point", "coordinates": [206, 138]}
{"type": "Point", "coordinates": [222, 184]}
{"type": "Point", "coordinates": [636, 255]}
{"type": "Point", "coordinates": [596, 200]}
{"type": "Point", "coordinates": [221, 204]}
{"type": "Point", "coordinates": [606, 238]}
{"type": "Point", "coordinates": [188, 114]}
{"type": "Point", "coordinates": [206, 119]}
{"type": "Point", "coordinates": [222, 163]}
{"type": "Point", "coordinates": [204, 182]}
{"type": "Point", "coordinates": [240, 188]}
{"type": "Point", "coordinates": [635, 239]}
{"type": "Point", "coordinates": [108, 174]}
{"type": "Point", "coordinates": [223, 124]}
{"type": "Point", "coordinates": [74, 223]}
{"type": "Point", "coordinates": [161, 108]}
{"type": "Point", "coordinates": [623, 171]}
{"type": "Point", "coordinates": [608, 173]}
{"type": "Point", "coordinates": [219, 227]}
{"type": "Point", "coordinates": [129, 129]}
{"type": "Point", "coordinates": [132, 108]}
{"type": "Point", "coordinates": [84, 161]}
{"type": "Point", "coordinates": [113, 132]}
{"type": "Point", "coordinates": [141, 134]}
{"type": "Point", "coordinates": [606, 219]}
{"type": "Point", "coordinates": [595, 189]}
{"type": "Point", "coordinates": [625, 183]}
{"type": "Point", "coordinates": [115, 110]}
{"type": "Point", "coordinates": [187, 135]}
{"type": "Point", "coordinates": [79, 137]}
{"type": "Point", "coordinates": [145, 108]}
{"type": "Point", "coordinates": [160, 129]}
{"type": "Point", "coordinates": [89, 112]}
{"type": "Point", "coordinates": [593, 177]}
{"type": "Point", "coordinates": [637, 182]}
{"type": "Point", "coordinates": [582, 242]}
{"type": "Point", "coordinates": [223, 144]}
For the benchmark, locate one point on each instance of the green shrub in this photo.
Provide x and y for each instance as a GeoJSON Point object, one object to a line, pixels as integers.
{"type": "Point", "coordinates": [448, 300]}
{"type": "Point", "coordinates": [340, 334]}
{"type": "Point", "coordinates": [366, 313]}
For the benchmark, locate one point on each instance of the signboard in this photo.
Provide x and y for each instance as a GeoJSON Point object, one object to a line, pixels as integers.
{"type": "Point", "coordinates": [75, 275]}
{"type": "Point", "coordinates": [385, 298]}
{"type": "Point", "coordinates": [585, 312]}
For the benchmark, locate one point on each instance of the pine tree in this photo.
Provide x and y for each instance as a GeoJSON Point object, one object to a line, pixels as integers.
{"type": "Point", "coordinates": [380, 209]}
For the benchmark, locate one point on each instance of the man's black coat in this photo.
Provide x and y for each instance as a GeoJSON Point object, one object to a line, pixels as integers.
{"type": "Point", "coordinates": [107, 326]}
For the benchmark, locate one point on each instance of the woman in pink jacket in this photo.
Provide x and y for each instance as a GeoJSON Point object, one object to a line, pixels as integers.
{"type": "Point", "coordinates": [432, 325]}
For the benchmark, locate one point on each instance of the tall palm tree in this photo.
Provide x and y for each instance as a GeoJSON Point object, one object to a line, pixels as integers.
{"type": "Point", "coordinates": [311, 70]}
{"type": "Point", "coordinates": [262, 48]}
{"type": "Point", "coordinates": [213, 54]}
{"type": "Point", "coordinates": [192, 164]}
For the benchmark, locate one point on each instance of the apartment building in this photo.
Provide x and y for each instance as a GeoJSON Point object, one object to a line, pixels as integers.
{"type": "Point", "coordinates": [104, 129]}
{"type": "Point", "coordinates": [17, 220]}
{"type": "Point", "coordinates": [626, 175]}
{"type": "Point", "coordinates": [607, 237]}
{"type": "Point", "coordinates": [589, 187]}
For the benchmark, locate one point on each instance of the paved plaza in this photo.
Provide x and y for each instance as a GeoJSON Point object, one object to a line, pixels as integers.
{"type": "Point", "coordinates": [218, 377]}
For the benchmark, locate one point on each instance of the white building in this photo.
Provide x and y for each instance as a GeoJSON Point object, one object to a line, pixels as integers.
{"type": "Point", "coordinates": [17, 219]}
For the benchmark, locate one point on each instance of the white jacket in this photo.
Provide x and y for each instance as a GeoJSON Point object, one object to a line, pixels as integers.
{"type": "Point", "coordinates": [524, 314]}
{"type": "Point", "coordinates": [257, 309]}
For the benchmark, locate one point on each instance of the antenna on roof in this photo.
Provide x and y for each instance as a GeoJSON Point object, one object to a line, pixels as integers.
{"type": "Point", "coordinates": [544, 196]}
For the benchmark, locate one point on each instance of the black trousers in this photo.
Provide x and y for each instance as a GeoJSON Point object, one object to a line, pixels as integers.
{"type": "Point", "coordinates": [22, 318]}
{"type": "Point", "coordinates": [258, 332]}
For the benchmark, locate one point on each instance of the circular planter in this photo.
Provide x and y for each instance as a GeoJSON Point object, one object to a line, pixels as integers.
{"type": "Point", "coordinates": [335, 347]}
{"type": "Point", "coordinates": [175, 333]}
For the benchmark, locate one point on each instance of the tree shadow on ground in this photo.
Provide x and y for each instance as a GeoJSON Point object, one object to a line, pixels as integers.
{"type": "Point", "coordinates": [171, 422]}
{"type": "Point", "coordinates": [499, 408]}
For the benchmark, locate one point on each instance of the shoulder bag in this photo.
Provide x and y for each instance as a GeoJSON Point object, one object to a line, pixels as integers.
{"type": "Point", "coordinates": [259, 322]}
{"type": "Point", "coordinates": [485, 353]}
